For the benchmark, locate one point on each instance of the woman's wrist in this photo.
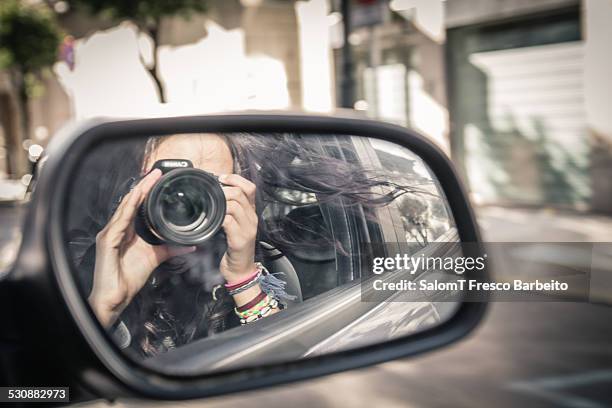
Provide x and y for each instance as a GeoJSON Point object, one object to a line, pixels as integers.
{"type": "Point", "coordinates": [104, 314]}
{"type": "Point", "coordinates": [245, 286]}
{"type": "Point", "coordinates": [238, 274]}
{"type": "Point", "coordinates": [252, 302]}
{"type": "Point", "coordinates": [106, 311]}
{"type": "Point", "coordinates": [245, 280]}
{"type": "Point", "coordinates": [234, 272]}
{"type": "Point", "coordinates": [247, 295]}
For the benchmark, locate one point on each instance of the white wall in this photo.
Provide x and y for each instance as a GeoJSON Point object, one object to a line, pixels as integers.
{"type": "Point", "coordinates": [597, 20]}
{"type": "Point", "coordinates": [315, 56]}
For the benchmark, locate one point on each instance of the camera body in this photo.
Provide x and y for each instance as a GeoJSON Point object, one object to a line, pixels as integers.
{"type": "Point", "coordinates": [185, 207]}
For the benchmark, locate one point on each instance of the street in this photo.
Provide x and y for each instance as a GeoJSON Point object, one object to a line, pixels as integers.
{"type": "Point", "coordinates": [523, 354]}
{"type": "Point", "coordinates": [531, 355]}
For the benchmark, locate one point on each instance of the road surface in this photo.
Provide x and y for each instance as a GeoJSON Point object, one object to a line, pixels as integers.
{"type": "Point", "coordinates": [523, 354]}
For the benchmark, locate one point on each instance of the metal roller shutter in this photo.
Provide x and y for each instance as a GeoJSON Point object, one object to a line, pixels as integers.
{"type": "Point", "coordinates": [534, 111]}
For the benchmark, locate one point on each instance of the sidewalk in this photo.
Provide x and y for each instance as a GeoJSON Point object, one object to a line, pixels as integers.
{"type": "Point", "coordinates": [500, 224]}
{"type": "Point", "coordinates": [592, 251]}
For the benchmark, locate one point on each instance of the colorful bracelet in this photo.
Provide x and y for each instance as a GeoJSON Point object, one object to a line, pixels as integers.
{"type": "Point", "coordinates": [263, 312]}
{"type": "Point", "coordinates": [235, 285]}
{"type": "Point", "coordinates": [248, 285]}
{"type": "Point", "coordinates": [261, 296]}
{"type": "Point", "coordinates": [255, 309]}
{"type": "Point", "coordinates": [261, 305]}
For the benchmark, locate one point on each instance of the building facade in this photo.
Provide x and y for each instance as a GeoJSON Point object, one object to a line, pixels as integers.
{"type": "Point", "coordinates": [515, 90]}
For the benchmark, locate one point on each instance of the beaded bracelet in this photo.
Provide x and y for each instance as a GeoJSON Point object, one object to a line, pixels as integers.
{"type": "Point", "coordinates": [263, 312]}
{"type": "Point", "coordinates": [255, 308]}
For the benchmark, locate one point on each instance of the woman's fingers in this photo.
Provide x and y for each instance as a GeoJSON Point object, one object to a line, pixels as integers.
{"type": "Point", "coordinates": [240, 207]}
{"type": "Point", "coordinates": [134, 198]}
{"type": "Point", "coordinates": [236, 194]}
{"type": "Point", "coordinates": [240, 225]}
{"type": "Point", "coordinates": [240, 229]}
{"type": "Point", "coordinates": [236, 210]}
{"type": "Point", "coordinates": [233, 232]}
{"type": "Point", "coordinates": [123, 216]}
{"type": "Point", "coordinates": [245, 185]}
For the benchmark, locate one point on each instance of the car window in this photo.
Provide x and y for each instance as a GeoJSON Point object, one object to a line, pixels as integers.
{"type": "Point", "coordinates": [424, 217]}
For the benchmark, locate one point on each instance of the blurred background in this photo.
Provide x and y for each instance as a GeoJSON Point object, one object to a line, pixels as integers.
{"type": "Point", "coordinates": [516, 92]}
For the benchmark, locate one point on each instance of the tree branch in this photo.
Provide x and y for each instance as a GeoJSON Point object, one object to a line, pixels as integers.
{"type": "Point", "coordinates": [154, 32]}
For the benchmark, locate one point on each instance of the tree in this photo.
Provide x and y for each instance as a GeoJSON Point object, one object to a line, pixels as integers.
{"type": "Point", "coordinates": [29, 42]}
{"type": "Point", "coordinates": [147, 15]}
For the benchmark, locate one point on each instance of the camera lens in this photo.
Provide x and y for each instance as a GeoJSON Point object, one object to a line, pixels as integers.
{"type": "Point", "coordinates": [185, 207]}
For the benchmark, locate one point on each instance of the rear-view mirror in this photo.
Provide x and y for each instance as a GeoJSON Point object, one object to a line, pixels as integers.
{"type": "Point", "coordinates": [234, 247]}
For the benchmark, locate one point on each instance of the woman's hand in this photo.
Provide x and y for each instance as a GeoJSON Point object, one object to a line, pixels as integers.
{"type": "Point", "coordinates": [240, 225]}
{"type": "Point", "coordinates": [124, 261]}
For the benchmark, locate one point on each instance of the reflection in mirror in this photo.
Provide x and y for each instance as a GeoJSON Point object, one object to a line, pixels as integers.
{"type": "Point", "coordinates": [202, 252]}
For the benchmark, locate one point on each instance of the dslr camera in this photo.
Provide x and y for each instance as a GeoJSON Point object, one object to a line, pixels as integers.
{"type": "Point", "coordinates": [185, 207]}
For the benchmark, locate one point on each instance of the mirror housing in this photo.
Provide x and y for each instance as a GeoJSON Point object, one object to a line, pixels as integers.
{"type": "Point", "coordinates": [54, 321]}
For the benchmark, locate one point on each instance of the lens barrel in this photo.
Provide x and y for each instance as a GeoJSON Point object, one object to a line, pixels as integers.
{"type": "Point", "coordinates": [185, 207]}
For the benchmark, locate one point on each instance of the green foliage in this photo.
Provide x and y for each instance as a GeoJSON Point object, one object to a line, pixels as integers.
{"type": "Point", "coordinates": [145, 13]}
{"type": "Point", "coordinates": [29, 37]}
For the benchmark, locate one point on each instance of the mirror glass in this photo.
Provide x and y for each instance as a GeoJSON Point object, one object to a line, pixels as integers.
{"type": "Point", "coordinates": [203, 252]}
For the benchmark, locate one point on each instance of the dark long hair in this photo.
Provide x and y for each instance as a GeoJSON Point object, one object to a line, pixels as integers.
{"type": "Point", "coordinates": [321, 168]}
{"type": "Point", "coordinates": [288, 170]}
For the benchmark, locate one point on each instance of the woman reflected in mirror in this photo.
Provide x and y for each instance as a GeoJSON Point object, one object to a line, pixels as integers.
{"type": "Point", "coordinates": [154, 298]}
